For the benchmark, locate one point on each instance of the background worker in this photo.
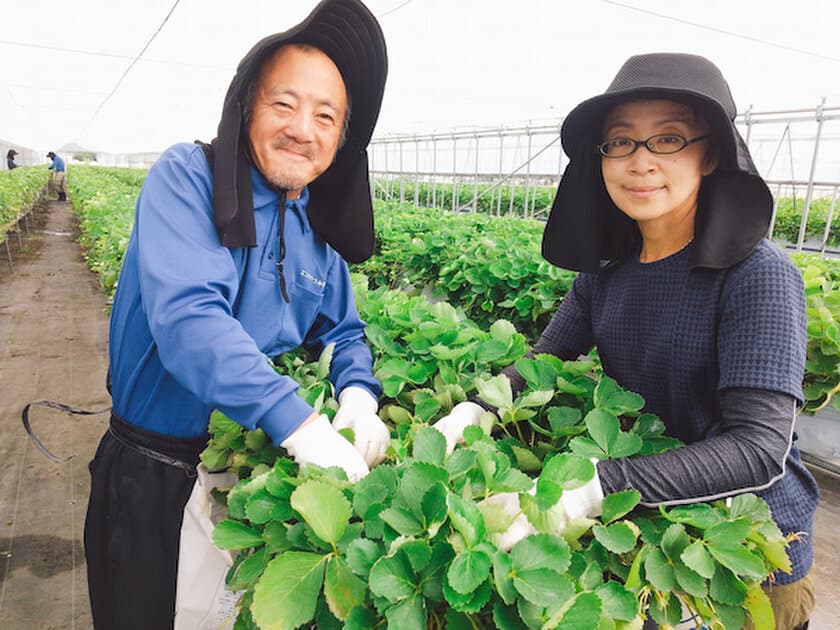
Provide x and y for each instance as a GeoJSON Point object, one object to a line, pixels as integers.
{"type": "Point", "coordinates": [59, 177]}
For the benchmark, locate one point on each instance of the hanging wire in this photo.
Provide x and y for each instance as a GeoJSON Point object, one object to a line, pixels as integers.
{"type": "Point", "coordinates": [135, 60]}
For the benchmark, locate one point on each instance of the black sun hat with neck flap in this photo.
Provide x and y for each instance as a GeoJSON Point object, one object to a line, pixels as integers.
{"type": "Point", "coordinates": [585, 229]}
{"type": "Point", "coordinates": [340, 208]}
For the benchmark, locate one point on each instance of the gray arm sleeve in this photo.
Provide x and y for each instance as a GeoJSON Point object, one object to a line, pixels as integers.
{"type": "Point", "coordinates": [746, 452]}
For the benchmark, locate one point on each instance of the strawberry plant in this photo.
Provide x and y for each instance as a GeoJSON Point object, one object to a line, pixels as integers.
{"type": "Point", "coordinates": [418, 542]}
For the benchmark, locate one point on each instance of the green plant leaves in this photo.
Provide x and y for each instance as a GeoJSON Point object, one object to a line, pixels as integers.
{"type": "Point", "coordinates": [287, 593]}
{"type": "Point", "coordinates": [324, 508]}
{"type": "Point", "coordinates": [565, 471]}
{"type": "Point", "coordinates": [342, 590]}
{"type": "Point", "coordinates": [230, 534]}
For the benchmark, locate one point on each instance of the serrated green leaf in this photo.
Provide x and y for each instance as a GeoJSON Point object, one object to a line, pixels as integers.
{"type": "Point", "coordinates": [495, 391]}
{"type": "Point", "coordinates": [342, 590]}
{"type": "Point", "coordinates": [466, 518]}
{"type": "Point", "coordinates": [535, 398]}
{"type": "Point", "coordinates": [659, 571]}
{"type": "Point", "coordinates": [725, 587]}
{"type": "Point", "coordinates": [249, 570]}
{"type": "Point", "coordinates": [470, 602]}
{"type": "Point", "coordinates": [391, 577]}
{"type": "Point", "coordinates": [618, 504]}
{"type": "Point", "coordinates": [700, 515]}
{"type": "Point", "coordinates": [429, 446]}
{"type": "Point", "coordinates": [618, 537]}
{"type": "Point", "coordinates": [402, 520]}
{"type": "Point", "coordinates": [698, 559]}
{"type": "Point", "coordinates": [230, 534]}
{"type": "Point", "coordinates": [324, 508]}
{"type": "Point", "coordinates": [507, 618]}
{"type": "Point", "coordinates": [409, 614]}
{"type": "Point", "coordinates": [582, 612]}
{"type": "Point", "coordinates": [565, 471]}
{"type": "Point", "coordinates": [287, 593]}
{"type": "Point", "coordinates": [539, 551]}
{"type": "Point", "coordinates": [612, 398]}
{"type": "Point", "coordinates": [674, 541]}
{"type": "Point", "coordinates": [361, 556]}
{"type": "Point", "coordinates": [729, 532]}
{"type": "Point", "coordinates": [526, 461]}
{"type": "Point", "coordinates": [469, 569]}
{"type": "Point", "coordinates": [360, 618]}
{"type": "Point", "coordinates": [691, 582]}
{"type": "Point", "coordinates": [758, 605]}
{"type": "Point", "coordinates": [618, 602]}
{"type": "Point", "coordinates": [502, 569]}
{"type": "Point", "coordinates": [419, 554]}
{"type": "Point", "coordinates": [738, 559]}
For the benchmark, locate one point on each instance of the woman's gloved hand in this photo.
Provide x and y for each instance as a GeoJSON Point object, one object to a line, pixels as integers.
{"type": "Point", "coordinates": [357, 411]}
{"type": "Point", "coordinates": [317, 442]}
{"type": "Point", "coordinates": [581, 502]}
{"type": "Point", "coordinates": [452, 426]}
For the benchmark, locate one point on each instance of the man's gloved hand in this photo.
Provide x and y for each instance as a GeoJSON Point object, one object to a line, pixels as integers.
{"type": "Point", "coordinates": [317, 442]}
{"type": "Point", "coordinates": [583, 502]}
{"type": "Point", "coordinates": [452, 426]}
{"type": "Point", "coordinates": [357, 411]}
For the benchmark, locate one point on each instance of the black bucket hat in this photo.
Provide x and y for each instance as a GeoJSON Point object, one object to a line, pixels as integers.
{"type": "Point", "coordinates": [585, 229]}
{"type": "Point", "coordinates": [340, 207]}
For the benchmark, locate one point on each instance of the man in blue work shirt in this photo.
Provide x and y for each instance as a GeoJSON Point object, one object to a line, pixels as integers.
{"type": "Point", "coordinates": [59, 179]}
{"type": "Point", "coordinates": [238, 253]}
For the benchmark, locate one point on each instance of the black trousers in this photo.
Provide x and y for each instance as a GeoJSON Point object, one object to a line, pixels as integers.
{"type": "Point", "coordinates": [133, 525]}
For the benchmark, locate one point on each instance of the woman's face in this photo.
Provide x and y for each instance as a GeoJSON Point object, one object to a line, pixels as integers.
{"type": "Point", "coordinates": [651, 187]}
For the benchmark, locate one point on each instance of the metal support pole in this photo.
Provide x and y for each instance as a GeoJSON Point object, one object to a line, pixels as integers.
{"type": "Point", "coordinates": [454, 171]}
{"type": "Point", "coordinates": [776, 201]}
{"type": "Point", "coordinates": [434, 173]}
{"type": "Point", "coordinates": [501, 171]}
{"type": "Point", "coordinates": [828, 221]}
{"type": "Point", "coordinates": [804, 224]}
{"type": "Point", "coordinates": [402, 179]}
{"type": "Point", "coordinates": [526, 208]}
{"type": "Point", "coordinates": [416, 172]}
{"type": "Point", "coordinates": [748, 122]}
{"type": "Point", "coordinates": [475, 181]}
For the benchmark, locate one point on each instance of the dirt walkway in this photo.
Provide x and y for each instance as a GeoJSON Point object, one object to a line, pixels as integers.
{"type": "Point", "coordinates": [53, 331]}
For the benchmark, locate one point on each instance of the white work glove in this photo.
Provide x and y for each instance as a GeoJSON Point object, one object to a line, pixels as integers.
{"type": "Point", "coordinates": [319, 443]}
{"type": "Point", "coordinates": [463, 415]}
{"type": "Point", "coordinates": [583, 502]}
{"type": "Point", "coordinates": [357, 411]}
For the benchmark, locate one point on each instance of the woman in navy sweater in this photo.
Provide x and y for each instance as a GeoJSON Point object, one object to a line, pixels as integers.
{"type": "Point", "coordinates": [663, 212]}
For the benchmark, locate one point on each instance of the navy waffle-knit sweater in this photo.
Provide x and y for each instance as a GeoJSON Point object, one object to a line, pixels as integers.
{"type": "Point", "coordinates": [685, 339]}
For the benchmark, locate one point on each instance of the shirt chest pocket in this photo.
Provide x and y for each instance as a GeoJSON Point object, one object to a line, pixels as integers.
{"type": "Point", "coordinates": [305, 299]}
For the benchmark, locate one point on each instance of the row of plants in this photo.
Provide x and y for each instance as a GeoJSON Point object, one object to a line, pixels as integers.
{"type": "Point", "coordinates": [489, 266]}
{"type": "Point", "coordinates": [485, 198]}
{"type": "Point", "coordinates": [104, 199]}
{"type": "Point", "coordinates": [19, 188]}
{"type": "Point", "coordinates": [789, 220]}
{"type": "Point", "coordinates": [504, 199]}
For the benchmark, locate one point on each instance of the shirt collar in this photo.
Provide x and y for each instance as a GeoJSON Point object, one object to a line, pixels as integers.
{"type": "Point", "coordinates": [265, 195]}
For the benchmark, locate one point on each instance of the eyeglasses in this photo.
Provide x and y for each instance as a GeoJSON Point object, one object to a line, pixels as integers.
{"type": "Point", "coordinates": [661, 144]}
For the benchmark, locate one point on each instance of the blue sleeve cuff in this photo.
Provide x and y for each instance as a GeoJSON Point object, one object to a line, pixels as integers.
{"type": "Point", "coordinates": [281, 420]}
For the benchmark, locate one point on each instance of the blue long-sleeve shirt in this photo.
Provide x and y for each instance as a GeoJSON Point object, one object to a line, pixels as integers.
{"type": "Point", "coordinates": [193, 322]}
{"type": "Point", "coordinates": [57, 164]}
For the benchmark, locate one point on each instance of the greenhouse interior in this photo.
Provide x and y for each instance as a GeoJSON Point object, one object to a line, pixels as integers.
{"type": "Point", "coordinates": [413, 314]}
